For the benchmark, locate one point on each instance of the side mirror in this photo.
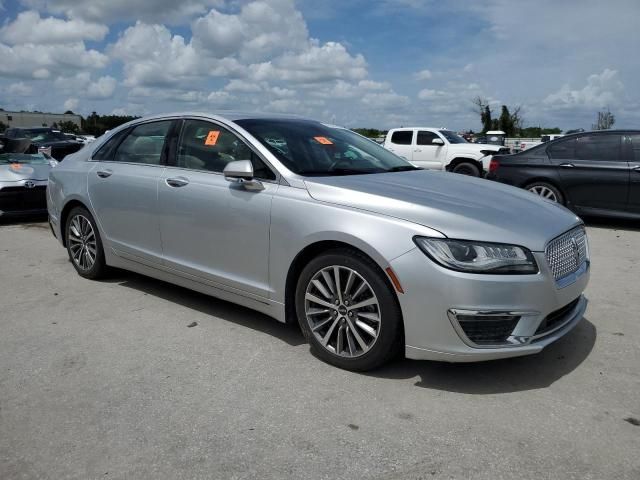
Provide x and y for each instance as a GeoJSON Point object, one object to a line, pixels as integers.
{"type": "Point", "coordinates": [437, 141]}
{"type": "Point", "coordinates": [241, 171]}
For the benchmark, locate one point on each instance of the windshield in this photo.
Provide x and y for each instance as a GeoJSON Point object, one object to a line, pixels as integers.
{"type": "Point", "coordinates": [32, 159]}
{"type": "Point", "coordinates": [314, 149]}
{"type": "Point", "coordinates": [452, 136]}
{"type": "Point", "coordinates": [44, 135]}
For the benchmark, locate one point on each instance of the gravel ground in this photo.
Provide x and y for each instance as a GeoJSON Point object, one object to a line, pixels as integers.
{"type": "Point", "coordinates": [108, 380]}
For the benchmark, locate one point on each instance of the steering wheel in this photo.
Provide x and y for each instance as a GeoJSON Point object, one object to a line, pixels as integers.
{"type": "Point", "coordinates": [335, 164]}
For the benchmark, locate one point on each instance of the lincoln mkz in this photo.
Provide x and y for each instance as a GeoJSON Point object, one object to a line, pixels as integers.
{"type": "Point", "coordinates": [315, 224]}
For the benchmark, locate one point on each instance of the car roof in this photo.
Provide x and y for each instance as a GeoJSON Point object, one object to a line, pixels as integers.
{"type": "Point", "coordinates": [230, 115]}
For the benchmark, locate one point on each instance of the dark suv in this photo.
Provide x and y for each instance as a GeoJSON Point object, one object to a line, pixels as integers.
{"type": "Point", "coordinates": [593, 173]}
{"type": "Point", "coordinates": [60, 144]}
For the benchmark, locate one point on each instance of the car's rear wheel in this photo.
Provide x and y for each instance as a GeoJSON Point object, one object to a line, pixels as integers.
{"type": "Point", "coordinates": [467, 168]}
{"type": "Point", "coordinates": [348, 311]}
{"type": "Point", "coordinates": [84, 244]}
{"type": "Point", "coordinates": [546, 190]}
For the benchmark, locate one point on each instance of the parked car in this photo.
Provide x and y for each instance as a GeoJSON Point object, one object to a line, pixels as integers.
{"type": "Point", "coordinates": [440, 149]}
{"type": "Point", "coordinates": [46, 138]}
{"type": "Point", "coordinates": [525, 145]}
{"type": "Point", "coordinates": [593, 173]}
{"type": "Point", "coordinates": [318, 225]}
{"type": "Point", "coordinates": [23, 179]}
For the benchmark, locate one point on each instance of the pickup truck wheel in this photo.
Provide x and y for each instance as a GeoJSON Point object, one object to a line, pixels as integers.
{"type": "Point", "coordinates": [466, 168]}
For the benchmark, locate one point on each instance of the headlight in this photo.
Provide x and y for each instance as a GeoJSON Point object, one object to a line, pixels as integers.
{"type": "Point", "coordinates": [478, 257]}
{"type": "Point", "coordinates": [488, 152]}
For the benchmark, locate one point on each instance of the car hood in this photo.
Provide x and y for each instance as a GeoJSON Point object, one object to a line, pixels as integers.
{"type": "Point", "coordinates": [456, 205]}
{"type": "Point", "coordinates": [23, 171]}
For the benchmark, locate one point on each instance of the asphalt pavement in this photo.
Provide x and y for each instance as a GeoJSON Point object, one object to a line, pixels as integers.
{"type": "Point", "coordinates": [112, 379]}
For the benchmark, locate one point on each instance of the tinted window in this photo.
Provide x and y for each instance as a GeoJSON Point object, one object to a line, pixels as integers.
{"type": "Point", "coordinates": [402, 137]}
{"type": "Point", "coordinates": [598, 147]}
{"type": "Point", "coordinates": [207, 146]}
{"type": "Point", "coordinates": [452, 137]}
{"type": "Point", "coordinates": [144, 144]}
{"type": "Point", "coordinates": [635, 145]}
{"type": "Point", "coordinates": [425, 138]}
{"type": "Point", "coordinates": [108, 150]}
{"type": "Point", "coordinates": [564, 149]}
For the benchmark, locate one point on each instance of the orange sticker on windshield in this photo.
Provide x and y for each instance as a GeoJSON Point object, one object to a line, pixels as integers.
{"type": "Point", "coordinates": [212, 137]}
{"type": "Point", "coordinates": [323, 140]}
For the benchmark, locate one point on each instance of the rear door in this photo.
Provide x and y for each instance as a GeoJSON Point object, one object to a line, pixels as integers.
{"type": "Point", "coordinates": [593, 170]}
{"type": "Point", "coordinates": [401, 143]}
{"type": "Point", "coordinates": [123, 189]}
{"type": "Point", "coordinates": [633, 148]}
{"type": "Point", "coordinates": [426, 154]}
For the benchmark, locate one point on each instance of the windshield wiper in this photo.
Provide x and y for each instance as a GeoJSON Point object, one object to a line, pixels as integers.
{"type": "Point", "coordinates": [338, 171]}
{"type": "Point", "coordinates": [403, 168]}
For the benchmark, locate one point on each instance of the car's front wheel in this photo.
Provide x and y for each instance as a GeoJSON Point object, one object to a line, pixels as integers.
{"type": "Point", "coordinates": [348, 311]}
{"type": "Point", "coordinates": [84, 244]}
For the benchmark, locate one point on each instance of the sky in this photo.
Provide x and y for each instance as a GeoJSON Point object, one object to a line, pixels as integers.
{"type": "Point", "coordinates": [357, 63]}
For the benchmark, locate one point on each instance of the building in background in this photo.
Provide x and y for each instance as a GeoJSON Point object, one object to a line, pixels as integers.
{"type": "Point", "coordinates": [37, 119]}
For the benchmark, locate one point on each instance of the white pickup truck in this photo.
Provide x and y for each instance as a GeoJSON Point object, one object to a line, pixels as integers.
{"type": "Point", "coordinates": [441, 149]}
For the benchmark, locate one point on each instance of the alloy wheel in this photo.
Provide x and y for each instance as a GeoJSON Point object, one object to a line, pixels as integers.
{"type": "Point", "coordinates": [82, 242]}
{"type": "Point", "coordinates": [544, 192]}
{"type": "Point", "coordinates": [342, 311]}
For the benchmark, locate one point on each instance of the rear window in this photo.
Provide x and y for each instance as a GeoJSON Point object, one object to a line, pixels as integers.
{"type": "Point", "coordinates": [402, 137]}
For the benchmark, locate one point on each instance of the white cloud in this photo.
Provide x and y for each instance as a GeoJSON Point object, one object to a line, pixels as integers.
{"type": "Point", "coordinates": [423, 75]}
{"type": "Point", "coordinates": [102, 88]}
{"type": "Point", "coordinates": [244, 86]}
{"type": "Point", "coordinates": [429, 94]}
{"type": "Point", "coordinates": [71, 104]}
{"type": "Point", "coordinates": [601, 90]}
{"type": "Point", "coordinates": [30, 28]}
{"type": "Point", "coordinates": [387, 100]}
{"type": "Point", "coordinates": [20, 89]}
{"type": "Point", "coordinates": [170, 11]}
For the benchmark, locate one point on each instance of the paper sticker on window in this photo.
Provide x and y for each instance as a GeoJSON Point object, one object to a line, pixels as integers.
{"type": "Point", "coordinates": [323, 140]}
{"type": "Point", "coordinates": [212, 137]}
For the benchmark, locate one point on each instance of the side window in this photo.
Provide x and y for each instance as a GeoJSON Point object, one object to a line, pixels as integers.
{"type": "Point", "coordinates": [599, 147]}
{"type": "Point", "coordinates": [207, 146]}
{"type": "Point", "coordinates": [144, 143]}
{"type": "Point", "coordinates": [108, 150]}
{"type": "Point", "coordinates": [402, 137]}
{"type": "Point", "coordinates": [562, 150]}
{"type": "Point", "coordinates": [425, 138]}
{"type": "Point", "coordinates": [635, 147]}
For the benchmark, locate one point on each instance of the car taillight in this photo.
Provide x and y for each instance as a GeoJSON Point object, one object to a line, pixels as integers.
{"type": "Point", "coordinates": [493, 165]}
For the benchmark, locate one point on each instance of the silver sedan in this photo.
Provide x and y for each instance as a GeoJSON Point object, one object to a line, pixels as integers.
{"type": "Point", "coordinates": [316, 225]}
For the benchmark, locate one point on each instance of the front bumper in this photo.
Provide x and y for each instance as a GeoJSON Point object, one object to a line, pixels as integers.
{"type": "Point", "coordinates": [436, 298]}
{"type": "Point", "coordinates": [16, 199]}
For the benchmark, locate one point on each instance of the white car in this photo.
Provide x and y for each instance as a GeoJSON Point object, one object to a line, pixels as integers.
{"type": "Point", "coordinates": [440, 149]}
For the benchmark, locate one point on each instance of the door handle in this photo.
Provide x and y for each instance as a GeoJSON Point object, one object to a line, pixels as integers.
{"type": "Point", "coordinates": [636, 168]}
{"type": "Point", "coordinates": [417, 150]}
{"type": "Point", "coordinates": [177, 182]}
{"type": "Point", "coordinates": [567, 165]}
{"type": "Point", "coordinates": [104, 173]}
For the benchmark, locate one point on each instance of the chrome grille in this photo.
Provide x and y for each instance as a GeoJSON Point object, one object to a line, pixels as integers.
{"type": "Point", "coordinates": [567, 253]}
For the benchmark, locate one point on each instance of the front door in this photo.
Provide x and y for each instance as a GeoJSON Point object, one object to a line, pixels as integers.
{"type": "Point", "coordinates": [593, 170]}
{"type": "Point", "coordinates": [633, 148]}
{"type": "Point", "coordinates": [123, 188]}
{"type": "Point", "coordinates": [212, 228]}
{"type": "Point", "coordinates": [426, 154]}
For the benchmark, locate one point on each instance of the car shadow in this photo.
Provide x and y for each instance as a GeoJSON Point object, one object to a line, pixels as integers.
{"type": "Point", "coordinates": [500, 376]}
{"type": "Point", "coordinates": [208, 305]}
{"type": "Point", "coordinates": [613, 224]}
{"type": "Point", "coordinates": [27, 221]}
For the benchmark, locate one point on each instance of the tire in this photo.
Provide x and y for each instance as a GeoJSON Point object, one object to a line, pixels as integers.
{"type": "Point", "coordinates": [350, 345]}
{"type": "Point", "coordinates": [467, 168]}
{"type": "Point", "coordinates": [84, 244]}
{"type": "Point", "coordinates": [546, 190]}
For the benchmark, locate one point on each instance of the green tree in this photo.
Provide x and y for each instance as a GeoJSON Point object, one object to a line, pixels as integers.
{"type": "Point", "coordinates": [68, 126]}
